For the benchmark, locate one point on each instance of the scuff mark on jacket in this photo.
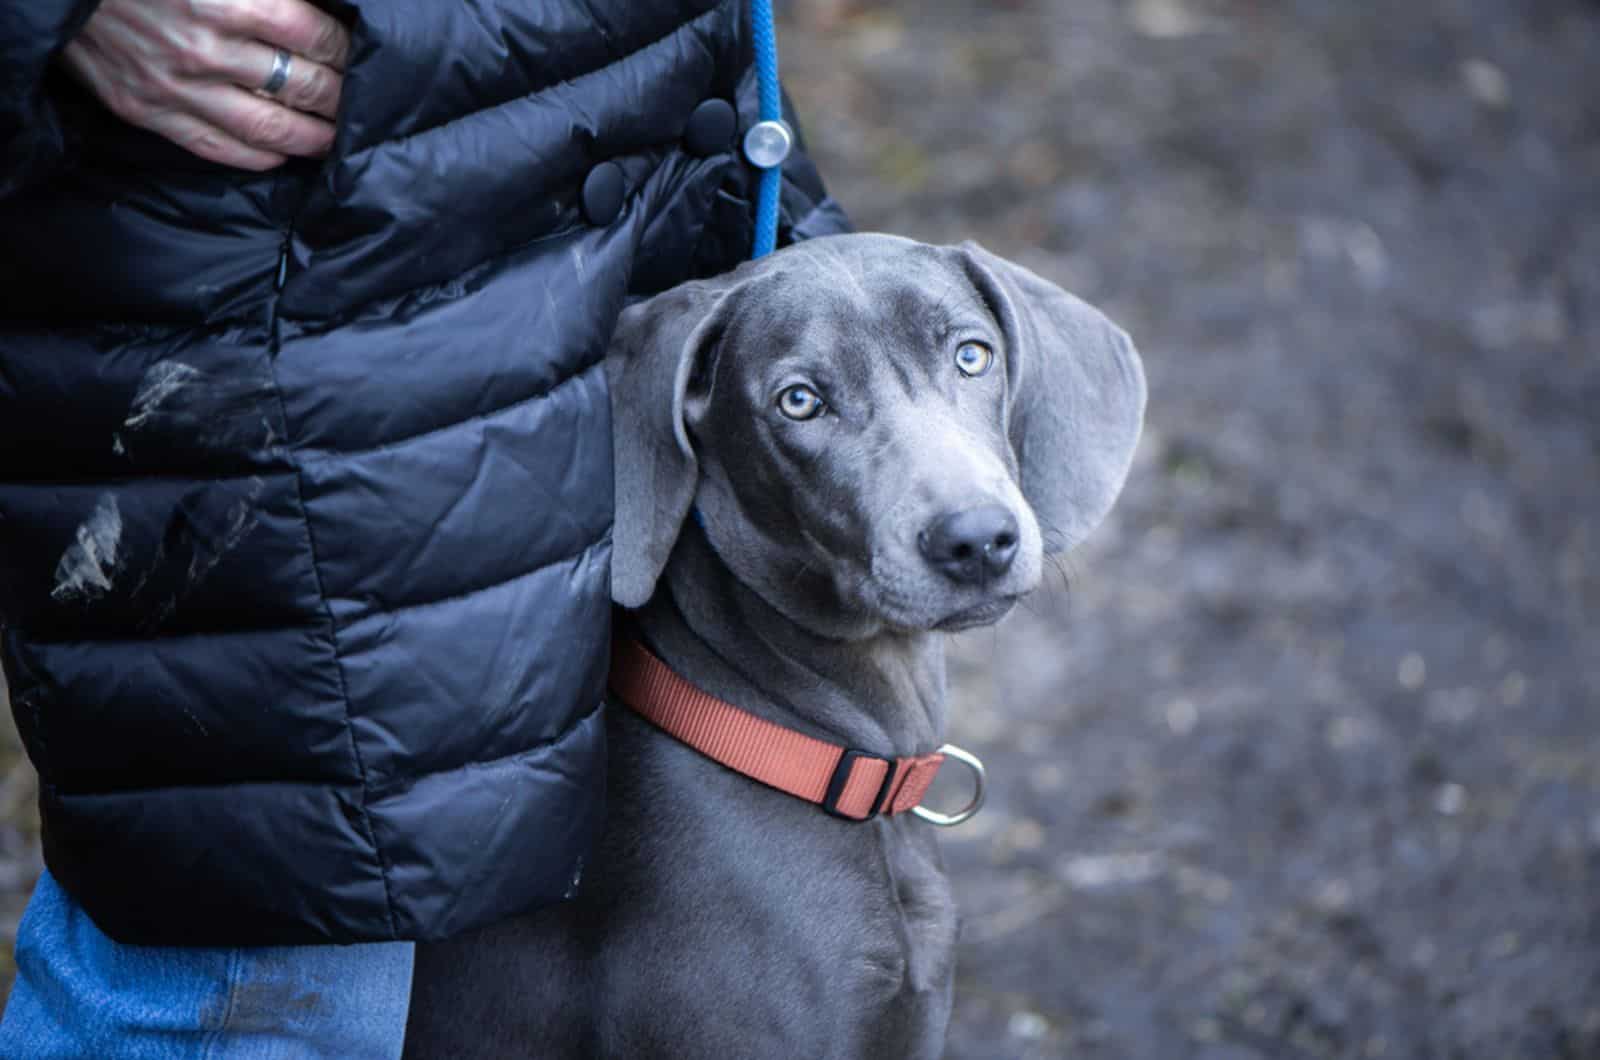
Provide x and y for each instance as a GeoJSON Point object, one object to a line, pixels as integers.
{"type": "Point", "coordinates": [203, 529]}
{"type": "Point", "coordinates": [177, 404]}
{"type": "Point", "coordinates": [89, 564]}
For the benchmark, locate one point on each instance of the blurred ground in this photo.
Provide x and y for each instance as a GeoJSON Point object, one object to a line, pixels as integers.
{"type": "Point", "coordinates": [1305, 761]}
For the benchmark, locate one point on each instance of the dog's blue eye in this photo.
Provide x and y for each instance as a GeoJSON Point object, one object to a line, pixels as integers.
{"type": "Point", "coordinates": [974, 358]}
{"type": "Point", "coordinates": [800, 402]}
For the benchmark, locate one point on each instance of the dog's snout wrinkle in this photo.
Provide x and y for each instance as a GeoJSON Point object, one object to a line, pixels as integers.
{"type": "Point", "coordinates": [973, 545]}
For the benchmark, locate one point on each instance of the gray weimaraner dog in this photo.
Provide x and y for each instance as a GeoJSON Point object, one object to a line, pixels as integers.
{"type": "Point", "coordinates": [823, 459]}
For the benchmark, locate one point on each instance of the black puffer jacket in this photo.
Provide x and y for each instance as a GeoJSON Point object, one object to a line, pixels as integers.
{"type": "Point", "coordinates": [305, 477]}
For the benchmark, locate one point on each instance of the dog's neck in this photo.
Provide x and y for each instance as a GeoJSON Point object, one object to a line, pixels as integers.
{"type": "Point", "coordinates": [884, 694]}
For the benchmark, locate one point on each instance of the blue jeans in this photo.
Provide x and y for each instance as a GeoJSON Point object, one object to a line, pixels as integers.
{"type": "Point", "coordinates": [78, 994]}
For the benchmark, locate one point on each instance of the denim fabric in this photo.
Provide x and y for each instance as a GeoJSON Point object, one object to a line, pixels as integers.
{"type": "Point", "coordinates": [79, 994]}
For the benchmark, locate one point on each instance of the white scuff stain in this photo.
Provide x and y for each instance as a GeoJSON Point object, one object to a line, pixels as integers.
{"type": "Point", "coordinates": [240, 520]}
{"type": "Point", "coordinates": [579, 265]}
{"type": "Point", "coordinates": [140, 582]}
{"type": "Point", "coordinates": [88, 564]}
{"type": "Point", "coordinates": [576, 880]}
{"type": "Point", "coordinates": [159, 383]}
{"type": "Point", "coordinates": [201, 408]}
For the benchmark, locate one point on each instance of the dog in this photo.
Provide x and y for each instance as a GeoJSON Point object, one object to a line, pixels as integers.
{"type": "Point", "coordinates": [824, 460]}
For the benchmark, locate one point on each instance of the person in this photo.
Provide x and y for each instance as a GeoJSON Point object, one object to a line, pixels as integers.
{"type": "Point", "coordinates": [305, 481]}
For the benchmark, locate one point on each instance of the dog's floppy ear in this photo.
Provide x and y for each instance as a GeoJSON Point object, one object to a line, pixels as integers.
{"type": "Point", "coordinates": [1077, 396]}
{"type": "Point", "coordinates": [650, 366]}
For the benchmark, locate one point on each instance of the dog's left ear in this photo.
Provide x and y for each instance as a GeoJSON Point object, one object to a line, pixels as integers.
{"type": "Point", "coordinates": [1077, 396]}
{"type": "Point", "coordinates": [650, 369]}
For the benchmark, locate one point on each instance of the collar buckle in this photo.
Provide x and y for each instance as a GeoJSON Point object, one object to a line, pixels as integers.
{"type": "Point", "coordinates": [841, 777]}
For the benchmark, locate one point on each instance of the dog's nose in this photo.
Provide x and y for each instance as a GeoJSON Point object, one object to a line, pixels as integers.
{"type": "Point", "coordinates": [973, 545]}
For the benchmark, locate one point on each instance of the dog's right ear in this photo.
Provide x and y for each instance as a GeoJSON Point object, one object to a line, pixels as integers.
{"type": "Point", "coordinates": [655, 357]}
{"type": "Point", "coordinates": [1078, 395]}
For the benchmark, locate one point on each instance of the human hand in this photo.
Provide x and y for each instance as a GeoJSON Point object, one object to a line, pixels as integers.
{"type": "Point", "coordinates": [193, 71]}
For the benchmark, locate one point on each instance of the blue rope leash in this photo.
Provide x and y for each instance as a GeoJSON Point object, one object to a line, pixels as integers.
{"type": "Point", "coordinates": [765, 38]}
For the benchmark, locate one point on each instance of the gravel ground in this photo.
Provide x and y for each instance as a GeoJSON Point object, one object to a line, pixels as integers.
{"type": "Point", "coordinates": [1300, 757]}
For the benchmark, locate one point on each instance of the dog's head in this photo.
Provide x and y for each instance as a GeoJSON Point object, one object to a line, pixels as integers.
{"type": "Point", "coordinates": [875, 433]}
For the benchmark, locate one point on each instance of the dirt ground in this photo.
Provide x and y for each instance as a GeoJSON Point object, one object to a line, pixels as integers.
{"type": "Point", "coordinates": [1305, 759]}
{"type": "Point", "coordinates": [1300, 757]}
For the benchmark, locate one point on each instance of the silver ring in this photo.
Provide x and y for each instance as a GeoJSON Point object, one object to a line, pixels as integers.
{"type": "Point", "coordinates": [970, 760]}
{"type": "Point", "coordinates": [280, 72]}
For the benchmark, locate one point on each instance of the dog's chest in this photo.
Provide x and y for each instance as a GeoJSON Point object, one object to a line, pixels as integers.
{"type": "Point", "coordinates": [825, 939]}
{"type": "Point", "coordinates": [857, 961]}
{"type": "Point", "coordinates": [923, 905]}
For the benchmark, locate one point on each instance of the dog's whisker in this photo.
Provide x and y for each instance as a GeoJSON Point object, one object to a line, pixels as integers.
{"type": "Point", "coordinates": [1059, 565]}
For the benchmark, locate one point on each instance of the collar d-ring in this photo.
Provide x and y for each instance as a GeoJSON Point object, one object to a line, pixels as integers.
{"type": "Point", "coordinates": [971, 761]}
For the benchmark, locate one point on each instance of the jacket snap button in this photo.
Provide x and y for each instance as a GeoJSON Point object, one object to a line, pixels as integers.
{"type": "Point", "coordinates": [603, 191]}
{"type": "Point", "coordinates": [767, 144]}
{"type": "Point", "coordinates": [711, 127]}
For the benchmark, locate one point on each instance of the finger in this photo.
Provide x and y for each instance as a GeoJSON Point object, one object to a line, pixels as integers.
{"type": "Point", "coordinates": [209, 142]}
{"type": "Point", "coordinates": [80, 57]}
{"type": "Point", "coordinates": [292, 24]}
{"type": "Point", "coordinates": [185, 130]}
{"type": "Point", "coordinates": [263, 124]}
{"type": "Point", "coordinates": [311, 87]}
